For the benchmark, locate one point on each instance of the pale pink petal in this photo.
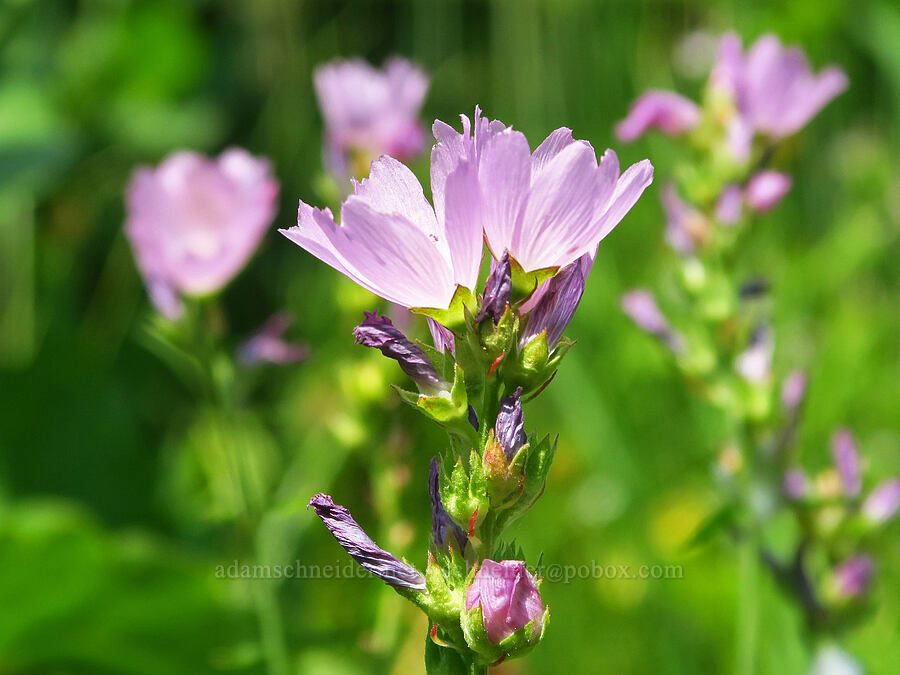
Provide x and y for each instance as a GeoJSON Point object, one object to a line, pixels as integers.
{"type": "Point", "coordinates": [671, 113]}
{"type": "Point", "coordinates": [555, 228]}
{"type": "Point", "coordinates": [463, 224]}
{"type": "Point", "coordinates": [505, 177]}
{"type": "Point", "coordinates": [629, 188]}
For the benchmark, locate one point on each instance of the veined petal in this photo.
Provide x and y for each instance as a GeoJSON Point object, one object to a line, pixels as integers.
{"type": "Point", "coordinates": [392, 188]}
{"type": "Point", "coordinates": [462, 223]}
{"type": "Point", "coordinates": [555, 227]}
{"type": "Point", "coordinates": [550, 148]}
{"type": "Point", "coordinates": [505, 176]}
{"type": "Point", "coordinates": [629, 187]}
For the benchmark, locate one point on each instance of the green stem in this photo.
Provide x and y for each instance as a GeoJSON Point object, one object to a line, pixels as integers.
{"type": "Point", "coordinates": [475, 669]}
{"type": "Point", "coordinates": [748, 606]}
{"type": "Point", "coordinates": [271, 626]}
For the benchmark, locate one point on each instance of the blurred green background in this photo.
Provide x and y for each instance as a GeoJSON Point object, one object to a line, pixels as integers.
{"type": "Point", "coordinates": [109, 533]}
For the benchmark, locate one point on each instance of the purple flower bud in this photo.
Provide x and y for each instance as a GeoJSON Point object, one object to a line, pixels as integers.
{"type": "Point", "coordinates": [378, 332]}
{"type": "Point", "coordinates": [728, 208]}
{"type": "Point", "coordinates": [508, 596]}
{"type": "Point", "coordinates": [795, 484]}
{"type": "Point", "coordinates": [362, 549]}
{"type": "Point", "coordinates": [510, 428]}
{"type": "Point", "coordinates": [441, 522]}
{"type": "Point", "coordinates": [793, 390]}
{"type": "Point", "coordinates": [853, 577]}
{"type": "Point", "coordinates": [441, 336]}
{"type": "Point", "coordinates": [753, 288]}
{"type": "Point", "coordinates": [766, 188]}
{"type": "Point", "coordinates": [755, 363]}
{"type": "Point", "coordinates": [846, 460]}
{"type": "Point", "coordinates": [497, 290]}
{"type": "Point", "coordinates": [640, 306]}
{"type": "Point", "coordinates": [667, 111]}
{"type": "Point", "coordinates": [556, 305]}
{"type": "Point", "coordinates": [882, 504]}
{"type": "Point", "coordinates": [267, 345]}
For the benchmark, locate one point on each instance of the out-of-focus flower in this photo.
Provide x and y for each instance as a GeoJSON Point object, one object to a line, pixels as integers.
{"type": "Point", "coordinates": [369, 112]}
{"type": "Point", "coordinates": [730, 204]}
{"type": "Point", "coordinates": [267, 345]}
{"type": "Point", "coordinates": [882, 504]}
{"type": "Point", "coordinates": [194, 222]}
{"type": "Point", "coordinates": [686, 227]}
{"type": "Point", "coordinates": [755, 363]}
{"type": "Point", "coordinates": [547, 208]}
{"type": "Point", "coordinates": [772, 87]}
{"type": "Point", "coordinates": [766, 188]}
{"type": "Point", "coordinates": [846, 461]}
{"type": "Point", "coordinates": [853, 577]}
{"type": "Point", "coordinates": [378, 332]}
{"type": "Point", "coordinates": [441, 523]}
{"type": "Point", "coordinates": [664, 110]}
{"type": "Point", "coordinates": [793, 390]}
{"type": "Point", "coordinates": [391, 242]}
{"type": "Point", "coordinates": [510, 427]}
{"type": "Point", "coordinates": [554, 304]}
{"type": "Point", "coordinates": [641, 307]}
{"type": "Point", "coordinates": [795, 485]}
{"type": "Point", "coordinates": [361, 548]}
{"type": "Point", "coordinates": [832, 660]}
{"type": "Point", "coordinates": [508, 596]}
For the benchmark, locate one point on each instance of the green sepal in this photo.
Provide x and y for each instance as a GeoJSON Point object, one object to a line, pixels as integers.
{"type": "Point", "coordinates": [458, 498]}
{"type": "Point", "coordinates": [451, 412]}
{"type": "Point", "coordinates": [524, 640]}
{"type": "Point", "coordinates": [525, 283]}
{"type": "Point", "coordinates": [454, 316]}
{"type": "Point", "coordinates": [472, 624]}
{"type": "Point", "coordinates": [537, 467]}
{"type": "Point", "coordinates": [500, 338]}
{"type": "Point", "coordinates": [444, 600]}
{"type": "Point", "coordinates": [503, 478]}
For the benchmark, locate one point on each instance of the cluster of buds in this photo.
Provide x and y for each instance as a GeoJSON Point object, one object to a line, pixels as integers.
{"type": "Point", "coordinates": [542, 215]}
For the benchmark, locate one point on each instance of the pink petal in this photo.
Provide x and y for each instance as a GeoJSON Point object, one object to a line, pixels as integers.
{"type": "Point", "coordinates": [665, 110]}
{"type": "Point", "coordinates": [505, 176]}
{"type": "Point", "coordinates": [629, 188]}
{"type": "Point", "coordinates": [463, 224]}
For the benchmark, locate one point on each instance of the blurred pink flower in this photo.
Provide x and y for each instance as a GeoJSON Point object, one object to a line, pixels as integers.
{"type": "Point", "coordinates": [773, 88]}
{"type": "Point", "coordinates": [671, 113]}
{"type": "Point", "coordinates": [369, 111]}
{"type": "Point", "coordinates": [884, 501]}
{"type": "Point", "coordinates": [686, 227]}
{"type": "Point", "coordinates": [846, 461]}
{"type": "Point", "coordinates": [268, 345]}
{"type": "Point", "coordinates": [766, 188]}
{"type": "Point", "coordinates": [194, 222]}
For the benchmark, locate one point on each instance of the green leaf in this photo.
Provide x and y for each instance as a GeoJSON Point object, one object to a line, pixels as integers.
{"type": "Point", "coordinates": [454, 316]}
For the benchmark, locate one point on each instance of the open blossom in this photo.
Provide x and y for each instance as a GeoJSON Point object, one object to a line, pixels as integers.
{"type": "Point", "coordinates": [508, 596]}
{"type": "Point", "coordinates": [547, 209]}
{"type": "Point", "coordinates": [671, 113]}
{"type": "Point", "coordinates": [194, 222]}
{"type": "Point", "coordinates": [370, 112]}
{"type": "Point", "coordinates": [773, 88]}
{"type": "Point", "coordinates": [268, 345]}
{"type": "Point", "coordinates": [361, 548]}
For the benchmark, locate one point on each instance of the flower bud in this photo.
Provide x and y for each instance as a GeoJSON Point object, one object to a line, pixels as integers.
{"type": "Point", "coordinates": [510, 427]}
{"type": "Point", "coordinates": [556, 305]}
{"type": "Point", "coordinates": [793, 390]}
{"type": "Point", "coordinates": [755, 363]}
{"type": "Point", "coordinates": [269, 346]}
{"type": "Point", "coordinates": [362, 549]}
{"type": "Point", "coordinates": [641, 307]}
{"type": "Point", "coordinates": [504, 613]}
{"type": "Point", "coordinates": [441, 523]}
{"type": "Point", "coordinates": [853, 577]}
{"type": "Point", "coordinates": [795, 484]}
{"type": "Point", "coordinates": [882, 504]}
{"type": "Point", "coordinates": [729, 205]}
{"type": "Point", "coordinates": [686, 227]}
{"type": "Point", "coordinates": [765, 189]}
{"type": "Point", "coordinates": [846, 461]}
{"type": "Point", "coordinates": [378, 332]}
{"type": "Point", "coordinates": [497, 290]}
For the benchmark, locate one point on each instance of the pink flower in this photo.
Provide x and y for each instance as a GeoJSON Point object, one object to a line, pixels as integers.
{"type": "Point", "coordinates": [194, 222]}
{"type": "Point", "coordinates": [884, 501]}
{"type": "Point", "coordinates": [846, 460]}
{"type": "Point", "coordinates": [766, 188]}
{"type": "Point", "coordinates": [369, 111]}
{"type": "Point", "coordinates": [667, 111]}
{"type": "Point", "coordinates": [547, 208]}
{"type": "Point", "coordinates": [269, 346]}
{"type": "Point", "coordinates": [686, 227]}
{"type": "Point", "coordinates": [508, 596]}
{"type": "Point", "coordinates": [773, 88]}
